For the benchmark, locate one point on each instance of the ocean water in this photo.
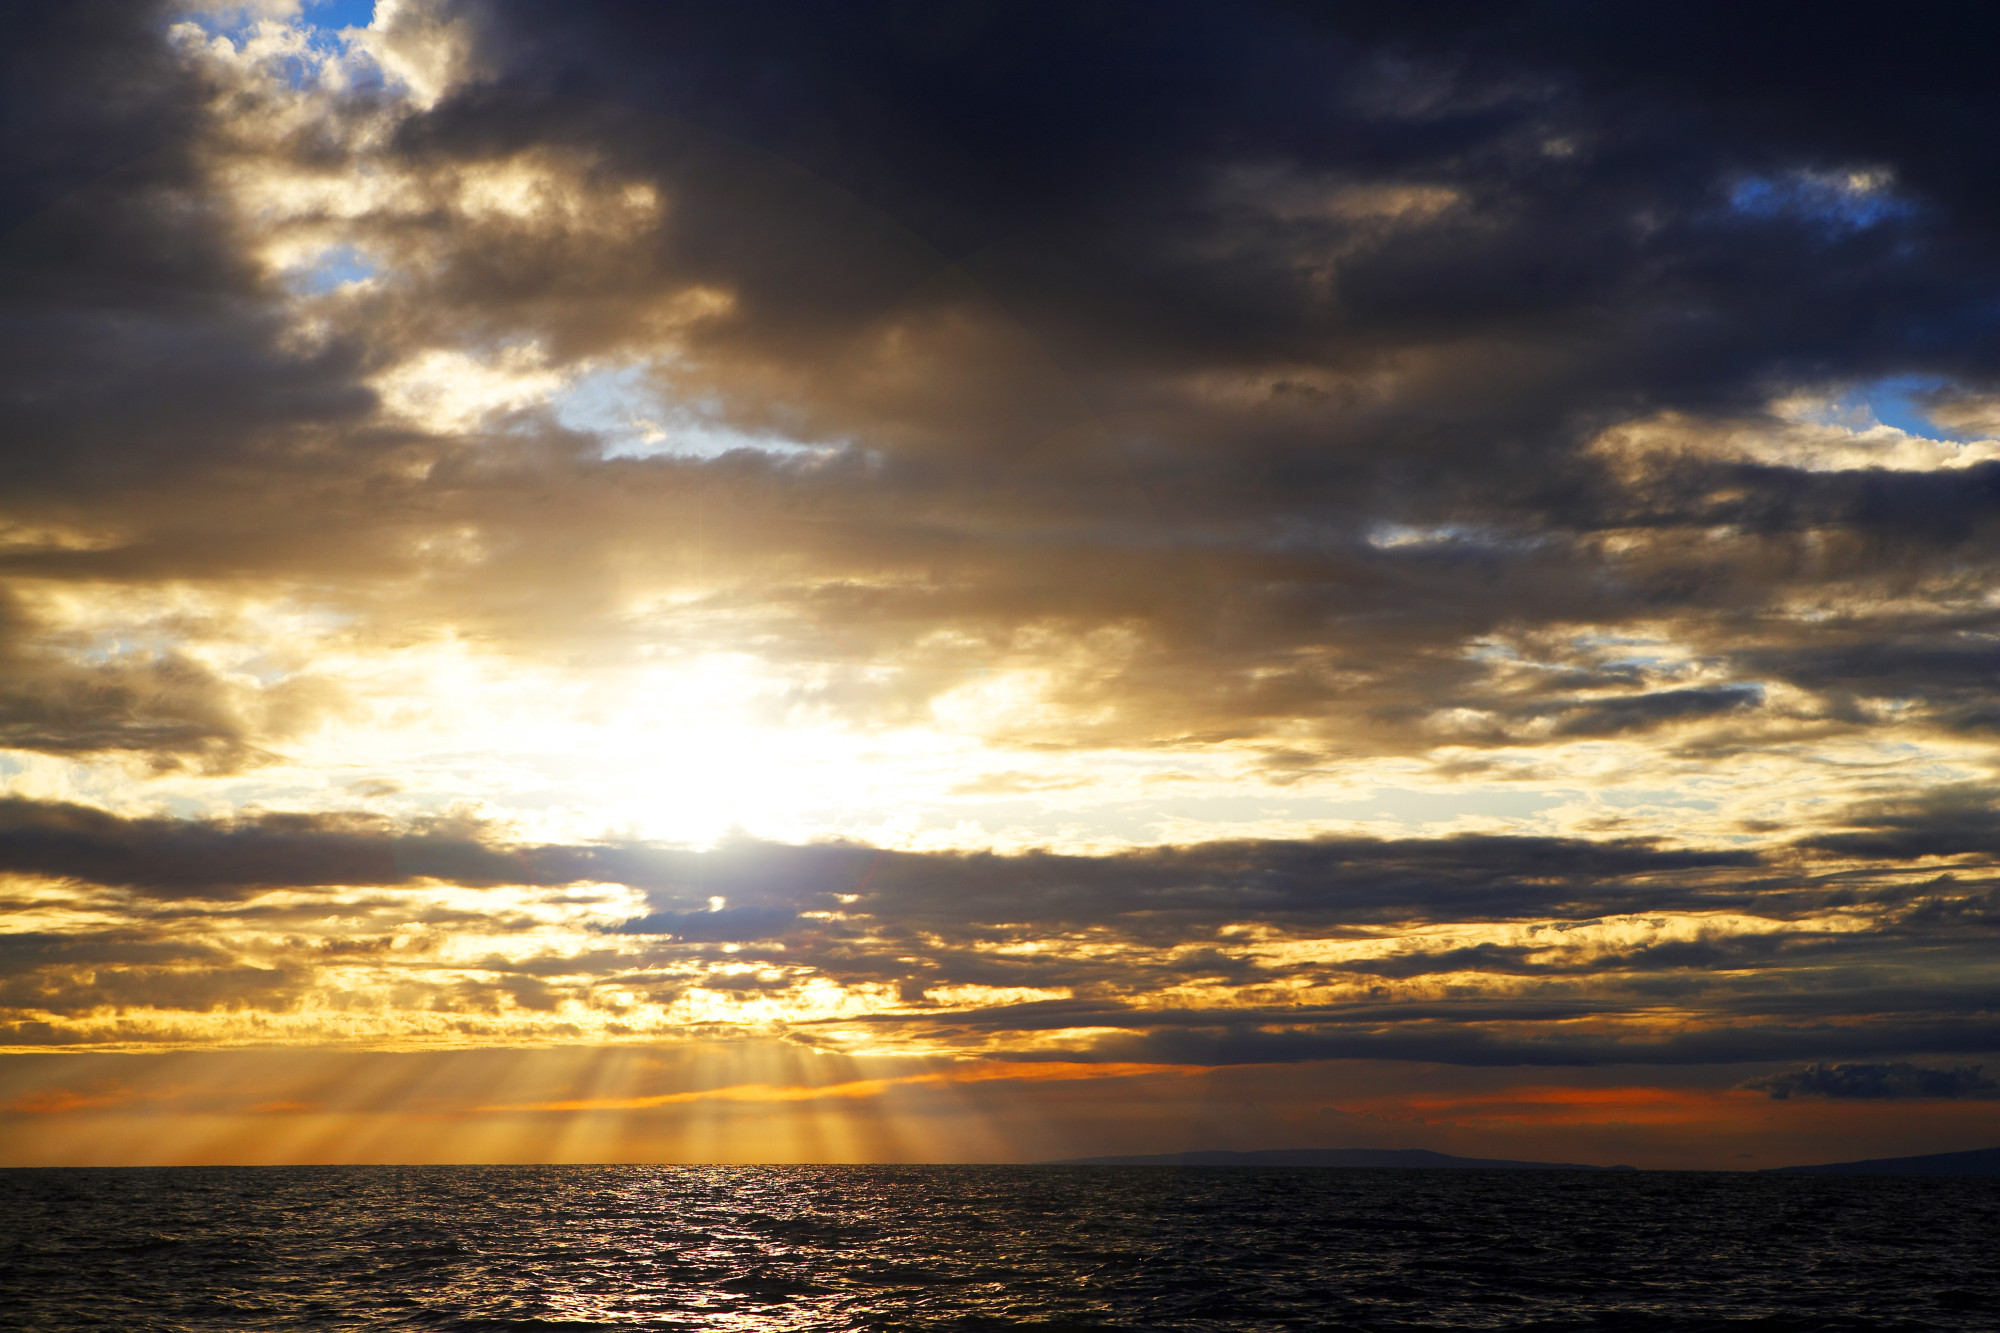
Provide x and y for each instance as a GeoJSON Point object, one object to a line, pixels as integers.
{"type": "Point", "coordinates": [990, 1247]}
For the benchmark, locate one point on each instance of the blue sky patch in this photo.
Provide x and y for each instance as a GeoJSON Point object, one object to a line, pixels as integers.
{"type": "Point", "coordinates": [627, 414]}
{"type": "Point", "coordinates": [333, 268]}
{"type": "Point", "coordinates": [322, 21]}
{"type": "Point", "coordinates": [1839, 201]}
{"type": "Point", "coordinates": [336, 14]}
{"type": "Point", "coordinates": [1898, 401]}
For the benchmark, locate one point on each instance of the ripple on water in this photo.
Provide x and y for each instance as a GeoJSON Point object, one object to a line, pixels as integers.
{"type": "Point", "coordinates": [774, 1249]}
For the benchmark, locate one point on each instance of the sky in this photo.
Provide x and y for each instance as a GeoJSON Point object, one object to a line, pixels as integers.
{"type": "Point", "coordinates": [792, 582]}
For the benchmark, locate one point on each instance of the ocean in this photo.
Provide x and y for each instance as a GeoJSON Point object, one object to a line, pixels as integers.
{"type": "Point", "coordinates": [990, 1247]}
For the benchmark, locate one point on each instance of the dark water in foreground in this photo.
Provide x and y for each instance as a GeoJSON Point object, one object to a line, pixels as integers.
{"type": "Point", "coordinates": [987, 1247]}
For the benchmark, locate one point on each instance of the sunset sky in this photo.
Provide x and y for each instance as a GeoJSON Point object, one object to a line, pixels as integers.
{"type": "Point", "coordinates": [997, 581]}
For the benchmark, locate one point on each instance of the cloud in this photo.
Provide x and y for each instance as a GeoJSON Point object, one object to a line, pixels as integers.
{"type": "Point", "coordinates": [1875, 1081]}
{"type": "Point", "coordinates": [1621, 714]}
{"type": "Point", "coordinates": [1308, 411]}
{"type": "Point", "coordinates": [1056, 375]}
{"type": "Point", "coordinates": [1474, 950]}
{"type": "Point", "coordinates": [1948, 820]}
{"type": "Point", "coordinates": [171, 858]}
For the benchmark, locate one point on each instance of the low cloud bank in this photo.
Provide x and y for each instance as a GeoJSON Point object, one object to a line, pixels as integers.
{"type": "Point", "coordinates": [1877, 1081]}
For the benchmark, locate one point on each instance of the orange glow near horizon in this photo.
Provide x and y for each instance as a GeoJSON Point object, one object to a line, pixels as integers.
{"type": "Point", "coordinates": [860, 1088]}
{"type": "Point", "coordinates": [732, 1104]}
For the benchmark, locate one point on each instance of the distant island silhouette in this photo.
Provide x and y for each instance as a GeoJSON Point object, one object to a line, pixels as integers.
{"type": "Point", "coordinates": [1978, 1162]}
{"type": "Point", "coordinates": [1394, 1158]}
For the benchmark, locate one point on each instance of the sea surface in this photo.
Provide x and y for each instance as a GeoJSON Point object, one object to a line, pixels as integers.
{"type": "Point", "coordinates": [990, 1247]}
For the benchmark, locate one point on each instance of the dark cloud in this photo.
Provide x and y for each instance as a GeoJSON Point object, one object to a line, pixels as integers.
{"type": "Point", "coordinates": [1296, 950]}
{"type": "Point", "coordinates": [1642, 710]}
{"type": "Point", "coordinates": [1873, 1081]}
{"type": "Point", "coordinates": [89, 89]}
{"type": "Point", "coordinates": [1347, 881]}
{"type": "Point", "coordinates": [1359, 881]}
{"type": "Point", "coordinates": [1791, 79]}
{"type": "Point", "coordinates": [1534, 1035]}
{"type": "Point", "coordinates": [1956, 819]}
{"type": "Point", "coordinates": [174, 858]}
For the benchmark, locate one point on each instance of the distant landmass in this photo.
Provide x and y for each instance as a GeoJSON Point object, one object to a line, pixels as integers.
{"type": "Point", "coordinates": [1978, 1162]}
{"type": "Point", "coordinates": [1400, 1158]}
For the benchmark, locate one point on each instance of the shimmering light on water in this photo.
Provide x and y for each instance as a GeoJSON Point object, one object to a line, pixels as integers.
{"type": "Point", "coordinates": [808, 1248]}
